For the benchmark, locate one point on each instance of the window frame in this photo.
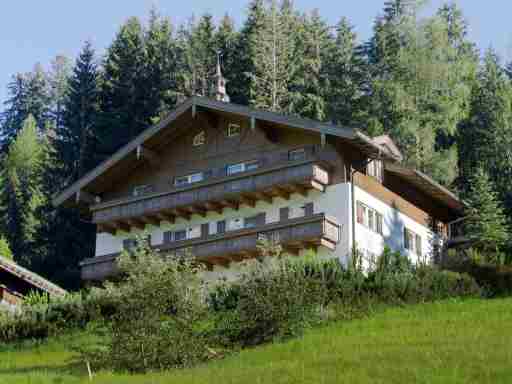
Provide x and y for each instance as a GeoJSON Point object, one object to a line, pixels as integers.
{"type": "Point", "coordinates": [292, 152]}
{"type": "Point", "coordinates": [189, 179]}
{"type": "Point", "coordinates": [369, 218]}
{"type": "Point", "coordinates": [245, 166]}
{"type": "Point", "coordinates": [201, 137]}
{"type": "Point", "coordinates": [412, 242]}
{"type": "Point", "coordinates": [146, 189]}
{"type": "Point", "coordinates": [237, 130]}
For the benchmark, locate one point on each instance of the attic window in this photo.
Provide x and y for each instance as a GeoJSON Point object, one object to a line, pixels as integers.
{"type": "Point", "coordinates": [233, 130]}
{"type": "Point", "coordinates": [199, 139]}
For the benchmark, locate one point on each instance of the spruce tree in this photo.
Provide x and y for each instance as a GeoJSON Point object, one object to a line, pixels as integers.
{"type": "Point", "coordinates": [485, 222]}
{"type": "Point", "coordinates": [28, 94]}
{"type": "Point", "coordinates": [22, 195]}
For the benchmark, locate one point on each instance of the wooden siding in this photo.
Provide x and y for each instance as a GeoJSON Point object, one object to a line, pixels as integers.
{"type": "Point", "coordinates": [312, 231]}
{"type": "Point", "coordinates": [10, 297]}
{"type": "Point", "coordinates": [262, 180]}
{"type": "Point", "coordinates": [379, 191]}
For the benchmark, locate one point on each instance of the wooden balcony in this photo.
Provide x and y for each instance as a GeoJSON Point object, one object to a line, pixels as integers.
{"type": "Point", "coordinates": [293, 235]}
{"type": "Point", "coordinates": [211, 195]}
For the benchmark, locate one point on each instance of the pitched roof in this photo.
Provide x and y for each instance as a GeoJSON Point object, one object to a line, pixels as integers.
{"type": "Point", "coordinates": [30, 277]}
{"type": "Point", "coordinates": [354, 136]}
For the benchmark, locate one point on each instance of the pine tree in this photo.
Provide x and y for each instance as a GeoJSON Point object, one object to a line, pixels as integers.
{"type": "Point", "coordinates": [122, 92]}
{"type": "Point", "coordinates": [58, 83]}
{"type": "Point", "coordinates": [28, 94]}
{"type": "Point", "coordinates": [226, 40]}
{"type": "Point", "coordinates": [346, 75]}
{"type": "Point", "coordinates": [485, 138]}
{"type": "Point", "coordinates": [485, 223]}
{"type": "Point", "coordinates": [273, 53]}
{"type": "Point", "coordinates": [22, 195]}
{"type": "Point", "coordinates": [5, 250]}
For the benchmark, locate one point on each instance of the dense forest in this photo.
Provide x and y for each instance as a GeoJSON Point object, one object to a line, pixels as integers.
{"type": "Point", "coordinates": [418, 79]}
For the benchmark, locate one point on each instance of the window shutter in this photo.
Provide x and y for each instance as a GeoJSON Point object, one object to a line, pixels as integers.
{"type": "Point", "coordinates": [418, 245]}
{"type": "Point", "coordinates": [359, 209]}
{"type": "Point", "coordinates": [308, 209]}
{"type": "Point", "coordinates": [205, 229]}
{"type": "Point", "coordinates": [221, 226]}
{"type": "Point", "coordinates": [284, 213]}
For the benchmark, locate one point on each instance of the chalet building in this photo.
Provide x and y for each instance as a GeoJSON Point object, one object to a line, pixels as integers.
{"type": "Point", "coordinates": [16, 282]}
{"type": "Point", "coordinates": [214, 177]}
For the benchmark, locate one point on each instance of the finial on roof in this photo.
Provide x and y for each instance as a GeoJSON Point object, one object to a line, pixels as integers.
{"type": "Point", "coordinates": [220, 90]}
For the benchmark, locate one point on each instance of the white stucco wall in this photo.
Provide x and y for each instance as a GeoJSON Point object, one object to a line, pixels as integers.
{"type": "Point", "coordinates": [393, 229]}
{"type": "Point", "coordinates": [335, 202]}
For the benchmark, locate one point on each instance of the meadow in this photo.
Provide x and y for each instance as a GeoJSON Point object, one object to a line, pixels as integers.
{"type": "Point", "coordinates": [452, 341]}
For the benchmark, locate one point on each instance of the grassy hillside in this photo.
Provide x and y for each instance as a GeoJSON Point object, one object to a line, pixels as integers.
{"type": "Point", "coordinates": [446, 342]}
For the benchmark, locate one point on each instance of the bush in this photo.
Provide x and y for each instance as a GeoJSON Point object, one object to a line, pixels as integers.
{"type": "Point", "coordinates": [274, 299]}
{"type": "Point", "coordinates": [158, 319]}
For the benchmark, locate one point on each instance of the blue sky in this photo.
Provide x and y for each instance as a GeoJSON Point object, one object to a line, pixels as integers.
{"type": "Point", "coordinates": [36, 31]}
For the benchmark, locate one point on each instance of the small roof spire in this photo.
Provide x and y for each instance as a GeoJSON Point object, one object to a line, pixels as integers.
{"type": "Point", "coordinates": [220, 90]}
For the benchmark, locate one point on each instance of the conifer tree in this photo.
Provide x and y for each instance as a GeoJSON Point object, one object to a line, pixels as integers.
{"type": "Point", "coordinates": [485, 223]}
{"type": "Point", "coordinates": [122, 96]}
{"type": "Point", "coordinates": [485, 138]}
{"type": "Point", "coordinates": [28, 94]}
{"type": "Point", "coordinates": [22, 195]}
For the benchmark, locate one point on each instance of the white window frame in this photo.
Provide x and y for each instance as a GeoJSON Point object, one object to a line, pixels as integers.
{"type": "Point", "coordinates": [199, 139]}
{"type": "Point", "coordinates": [188, 179]}
{"type": "Point", "coordinates": [370, 218]}
{"type": "Point", "coordinates": [375, 168]}
{"type": "Point", "coordinates": [412, 245]}
{"type": "Point", "coordinates": [233, 169]}
{"type": "Point", "coordinates": [234, 130]}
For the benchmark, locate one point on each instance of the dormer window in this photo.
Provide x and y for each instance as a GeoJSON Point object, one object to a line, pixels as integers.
{"type": "Point", "coordinates": [141, 190]}
{"type": "Point", "coordinates": [199, 139]}
{"type": "Point", "coordinates": [233, 130]}
{"type": "Point", "coordinates": [375, 169]}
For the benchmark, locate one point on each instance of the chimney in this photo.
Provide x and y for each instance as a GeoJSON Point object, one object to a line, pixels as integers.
{"type": "Point", "coordinates": [220, 91]}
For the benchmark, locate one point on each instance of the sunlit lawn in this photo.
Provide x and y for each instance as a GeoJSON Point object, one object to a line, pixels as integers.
{"type": "Point", "coordinates": [447, 342]}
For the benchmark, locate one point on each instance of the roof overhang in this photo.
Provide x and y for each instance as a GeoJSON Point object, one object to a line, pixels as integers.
{"type": "Point", "coordinates": [353, 136]}
{"type": "Point", "coordinates": [428, 186]}
{"type": "Point", "coordinates": [30, 277]}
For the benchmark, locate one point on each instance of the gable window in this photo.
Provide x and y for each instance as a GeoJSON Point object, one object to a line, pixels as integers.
{"type": "Point", "coordinates": [199, 139]}
{"type": "Point", "coordinates": [233, 130]}
{"type": "Point", "coordinates": [242, 167]}
{"type": "Point", "coordinates": [376, 169]}
{"type": "Point", "coordinates": [412, 241]}
{"type": "Point", "coordinates": [297, 154]}
{"type": "Point", "coordinates": [369, 217]}
{"type": "Point", "coordinates": [188, 179]}
{"type": "Point", "coordinates": [140, 190]}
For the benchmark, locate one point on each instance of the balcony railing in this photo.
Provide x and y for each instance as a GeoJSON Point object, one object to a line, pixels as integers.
{"type": "Point", "coordinates": [293, 235]}
{"type": "Point", "coordinates": [212, 195]}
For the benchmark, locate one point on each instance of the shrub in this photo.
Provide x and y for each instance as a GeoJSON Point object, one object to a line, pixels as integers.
{"type": "Point", "coordinates": [158, 319]}
{"type": "Point", "coordinates": [5, 250]}
{"type": "Point", "coordinates": [274, 299]}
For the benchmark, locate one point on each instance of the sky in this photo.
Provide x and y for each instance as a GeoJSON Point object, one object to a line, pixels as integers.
{"type": "Point", "coordinates": [33, 31]}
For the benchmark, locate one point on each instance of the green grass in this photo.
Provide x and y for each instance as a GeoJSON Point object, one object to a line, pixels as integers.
{"type": "Point", "coordinates": [446, 342]}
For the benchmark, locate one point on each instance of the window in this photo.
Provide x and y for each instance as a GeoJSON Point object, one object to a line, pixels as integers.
{"type": "Point", "coordinates": [375, 169]}
{"type": "Point", "coordinates": [221, 226]}
{"type": "Point", "coordinates": [182, 234]}
{"type": "Point", "coordinates": [235, 224]}
{"type": "Point", "coordinates": [233, 130]}
{"type": "Point", "coordinates": [199, 139]}
{"type": "Point", "coordinates": [140, 190]}
{"type": "Point", "coordinates": [251, 222]}
{"type": "Point", "coordinates": [295, 212]}
{"type": "Point", "coordinates": [297, 154]}
{"type": "Point", "coordinates": [242, 167]}
{"type": "Point", "coordinates": [129, 244]}
{"type": "Point", "coordinates": [369, 217]}
{"type": "Point", "coordinates": [412, 241]}
{"type": "Point", "coordinates": [188, 179]}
